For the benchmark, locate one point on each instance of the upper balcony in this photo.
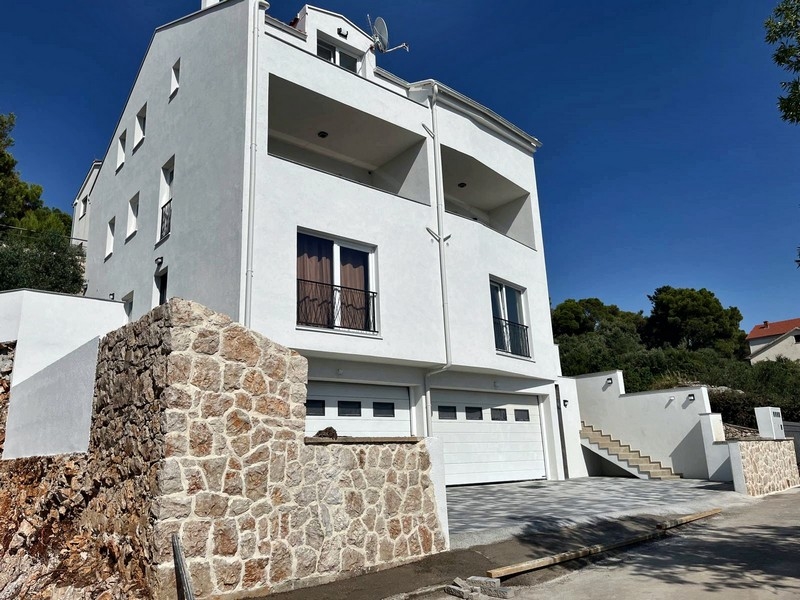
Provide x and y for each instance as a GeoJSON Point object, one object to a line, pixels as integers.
{"type": "Point", "coordinates": [477, 192]}
{"type": "Point", "coordinates": [321, 133]}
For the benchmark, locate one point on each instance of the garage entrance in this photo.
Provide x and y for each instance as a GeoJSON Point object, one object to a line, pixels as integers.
{"type": "Point", "coordinates": [358, 410]}
{"type": "Point", "coordinates": [488, 437]}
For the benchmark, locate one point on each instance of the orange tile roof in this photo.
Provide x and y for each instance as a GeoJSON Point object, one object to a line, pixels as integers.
{"type": "Point", "coordinates": [771, 328]}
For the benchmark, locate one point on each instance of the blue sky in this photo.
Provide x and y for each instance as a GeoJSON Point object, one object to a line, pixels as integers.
{"type": "Point", "coordinates": [664, 161]}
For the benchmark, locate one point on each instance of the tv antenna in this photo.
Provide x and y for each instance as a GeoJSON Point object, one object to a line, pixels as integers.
{"type": "Point", "coordinates": [380, 36]}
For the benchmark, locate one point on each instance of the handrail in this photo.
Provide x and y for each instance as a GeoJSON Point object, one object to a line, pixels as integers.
{"type": "Point", "coordinates": [511, 337]}
{"type": "Point", "coordinates": [335, 306]}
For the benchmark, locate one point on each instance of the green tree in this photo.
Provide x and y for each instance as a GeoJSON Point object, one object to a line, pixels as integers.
{"type": "Point", "coordinates": [783, 29]}
{"type": "Point", "coordinates": [42, 261]}
{"type": "Point", "coordinates": [693, 319]}
{"type": "Point", "coordinates": [21, 202]}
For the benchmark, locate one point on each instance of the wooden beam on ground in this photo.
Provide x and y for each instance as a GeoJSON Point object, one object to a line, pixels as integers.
{"type": "Point", "coordinates": [547, 561]}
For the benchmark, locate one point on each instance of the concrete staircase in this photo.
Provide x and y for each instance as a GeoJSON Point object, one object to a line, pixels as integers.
{"type": "Point", "coordinates": [622, 455]}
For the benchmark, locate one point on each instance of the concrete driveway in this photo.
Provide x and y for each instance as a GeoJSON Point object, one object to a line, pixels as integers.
{"type": "Point", "coordinates": [483, 514]}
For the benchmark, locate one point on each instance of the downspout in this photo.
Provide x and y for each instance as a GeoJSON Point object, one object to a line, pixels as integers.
{"type": "Point", "coordinates": [442, 240]}
{"type": "Point", "coordinates": [251, 192]}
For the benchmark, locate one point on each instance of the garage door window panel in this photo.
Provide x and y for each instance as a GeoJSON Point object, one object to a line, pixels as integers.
{"type": "Point", "coordinates": [522, 415]}
{"type": "Point", "coordinates": [348, 408]}
{"type": "Point", "coordinates": [315, 408]}
{"type": "Point", "coordinates": [473, 413]}
{"type": "Point", "coordinates": [499, 414]}
{"type": "Point", "coordinates": [333, 285]}
{"type": "Point", "coordinates": [383, 409]}
{"type": "Point", "coordinates": [447, 413]}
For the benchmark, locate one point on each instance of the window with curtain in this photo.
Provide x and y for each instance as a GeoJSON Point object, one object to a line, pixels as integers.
{"type": "Point", "coordinates": [510, 332]}
{"type": "Point", "coordinates": [333, 285]}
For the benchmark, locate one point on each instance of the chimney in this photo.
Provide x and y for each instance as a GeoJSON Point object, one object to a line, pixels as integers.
{"type": "Point", "coordinates": [766, 324]}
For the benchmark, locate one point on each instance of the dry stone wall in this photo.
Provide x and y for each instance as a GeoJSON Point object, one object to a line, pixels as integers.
{"type": "Point", "coordinates": [6, 366]}
{"type": "Point", "coordinates": [768, 466]}
{"type": "Point", "coordinates": [198, 430]}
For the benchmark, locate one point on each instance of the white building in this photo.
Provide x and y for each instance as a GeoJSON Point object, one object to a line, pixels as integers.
{"type": "Point", "coordinates": [388, 231]}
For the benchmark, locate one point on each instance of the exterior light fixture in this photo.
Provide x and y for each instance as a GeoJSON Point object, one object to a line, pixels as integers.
{"type": "Point", "coordinates": [159, 261]}
{"type": "Point", "coordinates": [690, 397]}
{"type": "Point", "coordinates": [609, 381]}
{"type": "Point", "coordinates": [462, 185]}
{"type": "Point", "coordinates": [111, 296]}
{"type": "Point", "coordinates": [565, 401]}
{"type": "Point", "coordinates": [671, 398]}
{"type": "Point", "coordinates": [322, 134]}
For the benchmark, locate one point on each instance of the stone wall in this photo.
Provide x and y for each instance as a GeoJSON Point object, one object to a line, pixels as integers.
{"type": "Point", "coordinates": [763, 466]}
{"type": "Point", "coordinates": [198, 429]}
{"type": "Point", "coordinates": [6, 365]}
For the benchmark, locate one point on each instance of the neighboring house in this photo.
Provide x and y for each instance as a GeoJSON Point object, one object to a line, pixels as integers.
{"type": "Point", "coordinates": [80, 206]}
{"type": "Point", "coordinates": [770, 340]}
{"type": "Point", "coordinates": [389, 231]}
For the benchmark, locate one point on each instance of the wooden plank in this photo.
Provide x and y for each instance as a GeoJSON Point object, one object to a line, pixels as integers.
{"type": "Point", "coordinates": [547, 561]}
{"type": "Point", "coordinates": [688, 518]}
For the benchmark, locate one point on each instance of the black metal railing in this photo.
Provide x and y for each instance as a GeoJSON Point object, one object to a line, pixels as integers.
{"type": "Point", "coordinates": [511, 337]}
{"type": "Point", "coordinates": [335, 306]}
{"type": "Point", "coordinates": [166, 219]}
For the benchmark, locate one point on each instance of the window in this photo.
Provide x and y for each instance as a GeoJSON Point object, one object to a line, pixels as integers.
{"type": "Point", "coordinates": [337, 56]}
{"type": "Point", "coordinates": [349, 408]}
{"type": "Point", "coordinates": [522, 414]}
{"type": "Point", "coordinates": [110, 237]}
{"type": "Point", "coordinates": [510, 334]}
{"type": "Point", "coordinates": [133, 216]}
{"type": "Point", "coordinates": [165, 199]}
{"type": "Point", "coordinates": [139, 127]}
{"type": "Point", "coordinates": [121, 142]}
{"type": "Point", "coordinates": [315, 408]}
{"type": "Point", "coordinates": [84, 206]}
{"type": "Point", "coordinates": [161, 286]}
{"type": "Point", "coordinates": [499, 414]}
{"type": "Point", "coordinates": [128, 300]}
{"type": "Point", "coordinates": [175, 79]}
{"type": "Point", "coordinates": [383, 409]}
{"type": "Point", "coordinates": [333, 285]}
{"type": "Point", "coordinates": [447, 413]}
{"type": "Point", "coordinates": [797, 339]}
{"type": "Point", "coordinates": [474, 413]}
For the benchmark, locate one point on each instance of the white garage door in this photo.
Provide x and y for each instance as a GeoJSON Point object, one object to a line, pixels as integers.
{"type": "Point", "coordinates": [488, 437]}
{"type": "Point", "coordinates": [358, 410]}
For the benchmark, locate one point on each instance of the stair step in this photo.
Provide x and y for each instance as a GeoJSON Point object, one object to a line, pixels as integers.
{"type": "Point", "coordinates": [641, 463]}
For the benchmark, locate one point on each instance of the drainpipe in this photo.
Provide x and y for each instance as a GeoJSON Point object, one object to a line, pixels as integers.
{"type": "Point", "coordinates": [251, 193]}
{"type": "Point", "coordinates": [441, 239]}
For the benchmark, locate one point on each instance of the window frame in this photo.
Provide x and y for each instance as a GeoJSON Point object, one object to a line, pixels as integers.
{"type": "Point", "coordinates": [336, 279]}
{"type": "Point", "coordinates": [175, 79]}
{"type": "Point", "coordinates": [139, 127]}
{"type": "Point", "coordinates": [449, 407]}
{"type": "Point", "coordinates": [132, 225]}
{"type": "Point", "coordinates": [336, 54]}
{"type": "Point", "coordinates": [317, 404]}
{"type": "Point", "coordinates": [471, 411]}
{"type": "Point", "coordinates": [496, 412]}
{"type": "Point", "coordinates": [501, 287]}
{"type": "Point", "coordinates": [383, 408]}
{"type": "Point", "coordinates": [166, 193]}
{"type": "Point", "coordinates": [110, 232]}
{"type": "Point", "coordinates": [122, 142]}
{"type": "Point", "coordinates": [349, 407]}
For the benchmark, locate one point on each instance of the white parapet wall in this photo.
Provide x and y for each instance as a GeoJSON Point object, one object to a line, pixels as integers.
{"type": "Point", "coordinates": [663, 424]}
{"type": "Point", "coordinates": [718, 456]}
{"type": "Point", "coordinates": [570, 413]}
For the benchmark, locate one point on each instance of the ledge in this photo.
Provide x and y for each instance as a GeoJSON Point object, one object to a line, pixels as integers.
{"type": "Point", "coordinates": [344, 439]}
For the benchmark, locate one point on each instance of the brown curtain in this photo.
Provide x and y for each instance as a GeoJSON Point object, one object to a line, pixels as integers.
{"type": "Point", "coordinates": [314, 281]}
{"type": "Point", "coordinates": [354, 296]}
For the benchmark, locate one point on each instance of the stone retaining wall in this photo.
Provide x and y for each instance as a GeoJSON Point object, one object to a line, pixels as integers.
{"type": "Point", "coordinates": [763, 466]}
{"type": "Point", "coordinates": [198, 430]}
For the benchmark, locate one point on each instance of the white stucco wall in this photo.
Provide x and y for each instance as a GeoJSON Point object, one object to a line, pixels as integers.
{"type": "Point", "coordinates": [49, 326]}
{"type": "Point", "coordinates": [51, 411]}
{"type": "Point", "coordinates": [786, 347]}
{"type": "Point", "coordinates": [663, 424]}
{"type": "Point", "coordinates": [717, 450]}
{"type": "Point", "coordinates": [571, 421]}
{"type": "Point", "coordinates": [203, 125]}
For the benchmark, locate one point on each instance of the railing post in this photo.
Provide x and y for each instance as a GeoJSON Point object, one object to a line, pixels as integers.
{"type": "Point", "coordinates": [183, 580]}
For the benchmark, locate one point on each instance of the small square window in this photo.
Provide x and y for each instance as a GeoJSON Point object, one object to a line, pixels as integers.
{"type": "Point", "coordinates": [349, 408]}
{"type": "Point", "coordinates": [128, 304]}
{"type": "Point", "coordinates": [474, 413]}
{"type": "Point", "coordinates": [139, 127]}
{"type": "Point", "coordinates": [315, 408]}
{"type": "Point", "coordinates": [161, 286]}
{"type": "Point", "coordinates": [522, 414]}
{"type": "Point", "coordinates": [110, 237]}
{"type": "Point", "coordinates": [383, 409]}
{"type": "Point", "coordinates": [326, 51]}
{"type": "Point", "coordinates": [499, 414]}
{"type": "Point", "coordinates": [84, 206]}
{"type": "Point", "coordinates": [121, 143]}
{"type": "Point", "coordinates": [133, 216]}
{"type": "Point", "coordinates": [797, 339]}
{"type": "Point", "coordinates": [447, 413]}
{"type": "Point", "coordinates": [348, 62]}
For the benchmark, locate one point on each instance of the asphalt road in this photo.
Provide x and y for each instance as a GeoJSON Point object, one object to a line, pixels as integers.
{"type": "Point", "coordinates": [747, 552]}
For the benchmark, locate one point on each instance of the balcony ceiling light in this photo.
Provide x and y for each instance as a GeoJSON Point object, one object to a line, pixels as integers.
{"type": "Point", "coordinates": [322, 134]}
{"type": "Point", "coordinates": [462, 185]}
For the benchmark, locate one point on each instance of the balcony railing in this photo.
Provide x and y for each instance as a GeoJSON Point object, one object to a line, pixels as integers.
{"type": "Point", "coordinates": [511, 337]}
{"type": "Point", "coordinates": [335, 306]}
{"type": "Point", "coordinates": [166, 219]}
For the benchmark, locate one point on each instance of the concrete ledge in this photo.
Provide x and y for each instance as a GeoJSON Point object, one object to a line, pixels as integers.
{"type": "Point", "coordinates": [310, 441]}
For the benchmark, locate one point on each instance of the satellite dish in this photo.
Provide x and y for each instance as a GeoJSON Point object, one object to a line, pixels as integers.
{"type": "Point", "coordinates": [380, 36]}
{"type": "Point", "coordinates": [380, 33]}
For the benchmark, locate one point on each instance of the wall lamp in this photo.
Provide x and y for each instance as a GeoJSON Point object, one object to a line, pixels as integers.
{"type": "Point", "coordinates": [609, 381]}
{"type": "Point", "coordinates": [565, 401]}
{"type": "Point", "coordinates": [159, 260]}
{"type": "Point", "coordinates": [111, 296]}
{"type": "Point", "coordinates": [690, 397]}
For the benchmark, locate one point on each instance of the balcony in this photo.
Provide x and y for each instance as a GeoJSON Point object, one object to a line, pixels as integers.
{"type": "Point", "coordinates": [474, 191]}
{"type": "Point", "coordinates": [511, 337]}
{"type": "Point", "coordinates": [166, 219]}
{"type": "Point", "coordinates": [314, 130]}
{"type": "Point", "coordinates": [335, 307]}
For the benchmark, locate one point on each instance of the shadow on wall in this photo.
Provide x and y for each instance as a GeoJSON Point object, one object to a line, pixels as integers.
{"type": "Point", "coordinates": [684, 457]}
